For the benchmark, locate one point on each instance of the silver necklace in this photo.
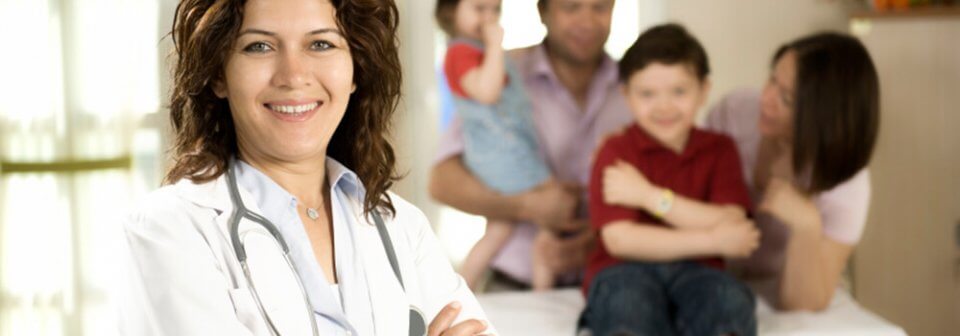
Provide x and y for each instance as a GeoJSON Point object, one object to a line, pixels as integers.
{"type": "Point", "coordinates": [312, 213]}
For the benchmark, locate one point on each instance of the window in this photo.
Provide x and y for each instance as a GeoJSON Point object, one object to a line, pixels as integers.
{"type": "Point", "coordinates": [79, 139]}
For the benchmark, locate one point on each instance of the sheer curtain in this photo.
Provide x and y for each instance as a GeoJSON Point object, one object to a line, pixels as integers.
{"type": "Point", "coordinates": [79, 76]}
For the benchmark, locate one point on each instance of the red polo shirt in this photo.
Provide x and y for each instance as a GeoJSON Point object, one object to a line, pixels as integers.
{"type": "Point", "coordinates": [707, 170]}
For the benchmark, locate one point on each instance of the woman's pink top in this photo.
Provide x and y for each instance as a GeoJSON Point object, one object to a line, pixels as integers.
{"type": "Point", "coordinates": [843, 209]}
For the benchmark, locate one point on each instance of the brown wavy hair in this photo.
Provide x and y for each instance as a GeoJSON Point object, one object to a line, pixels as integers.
{"type": "Point", "coordinates": [204, 31]}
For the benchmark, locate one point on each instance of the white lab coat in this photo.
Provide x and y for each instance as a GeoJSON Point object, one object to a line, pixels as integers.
{"type": "Point", "coordinates": [185, 279]}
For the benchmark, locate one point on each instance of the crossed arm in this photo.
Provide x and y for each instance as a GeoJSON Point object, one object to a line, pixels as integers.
{"type": "Point", "coordinates": [697, 229]}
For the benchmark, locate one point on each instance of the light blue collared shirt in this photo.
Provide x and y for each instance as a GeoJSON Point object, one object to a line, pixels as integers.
{"type": "Point", "coordinates": [352, 314]}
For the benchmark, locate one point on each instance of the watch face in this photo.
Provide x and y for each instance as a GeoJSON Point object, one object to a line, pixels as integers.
{"type": "Point", "coordinates": [665, 203]}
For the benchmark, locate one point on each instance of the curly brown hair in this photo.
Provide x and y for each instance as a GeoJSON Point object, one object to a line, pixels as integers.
{"type": "Point", "coordinates": [204, 31]}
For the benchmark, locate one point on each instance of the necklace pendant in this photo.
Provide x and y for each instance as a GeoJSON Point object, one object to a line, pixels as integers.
{"type": "Point", "coordinates": [312, 213]}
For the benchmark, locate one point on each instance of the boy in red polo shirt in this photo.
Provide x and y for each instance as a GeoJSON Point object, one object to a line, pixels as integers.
{"type": "Point", "coordinates": [669, 201]}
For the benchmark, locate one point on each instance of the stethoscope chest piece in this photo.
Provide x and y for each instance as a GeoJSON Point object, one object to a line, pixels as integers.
{"type": "Point", "coordinates": [418, 327]}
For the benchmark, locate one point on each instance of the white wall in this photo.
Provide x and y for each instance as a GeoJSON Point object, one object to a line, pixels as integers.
{"type": "Point", "coordinates": [415, 129]}
{"type": "Point", "coordinates": [740, 36]}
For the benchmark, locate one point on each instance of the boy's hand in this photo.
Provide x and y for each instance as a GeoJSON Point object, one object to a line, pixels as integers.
{"type": "Point", "coordinates": [492, 35]}
{"type": "Point", "coordinates": [736, 239]}
{"type": "Point", "coordinates": [624, 185]}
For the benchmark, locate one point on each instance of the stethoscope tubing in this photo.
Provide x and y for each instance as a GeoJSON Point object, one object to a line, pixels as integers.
{"type": "Point", "coordinates": [239, 212]}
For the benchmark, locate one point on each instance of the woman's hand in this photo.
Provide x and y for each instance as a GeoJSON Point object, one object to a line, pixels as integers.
{"type": "Point", "coordinates": [774, 160]}
{"type": "Point", "coordinates": [441, 325]}
{"type": "Point", "coordinates": [786, 203]}
{"type": "Point", "coordinates": [624, 185]}
{"type": "Point", "coordinates": [735, 239]}
{"type": "Point", "coordinates": [782, 164]}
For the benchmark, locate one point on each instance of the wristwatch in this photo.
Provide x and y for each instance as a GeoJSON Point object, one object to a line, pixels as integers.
{"type": "Point", "coordinates": [664, 203]}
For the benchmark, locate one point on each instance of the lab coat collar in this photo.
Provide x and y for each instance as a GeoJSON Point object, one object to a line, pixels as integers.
{"type": "Point", "coordinates": [214, 194]}
{"type": "Point", "coordinates": [387, 297]}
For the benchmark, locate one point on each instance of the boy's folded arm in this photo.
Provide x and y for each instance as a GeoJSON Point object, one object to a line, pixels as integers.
{"type": "Point", "coordinates": [632, 241]}
{"type": "Point", "coordinates": [687, 213]}
{"type": "Point", "coordinates": [727, 198]}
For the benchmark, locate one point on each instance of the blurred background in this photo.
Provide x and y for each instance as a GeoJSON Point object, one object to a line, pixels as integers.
{"type": "Point", "coordinates": [84, 134]}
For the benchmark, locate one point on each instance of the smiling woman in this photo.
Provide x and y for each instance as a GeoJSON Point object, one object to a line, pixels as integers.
{"type": "Point", "coordinates": [276, 219]}
{"type": "Point", "coordinates": [196, 109]}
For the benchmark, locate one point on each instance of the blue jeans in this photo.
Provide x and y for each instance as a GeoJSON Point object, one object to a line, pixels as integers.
{"type": "Point", "coordinates": [675, 298]}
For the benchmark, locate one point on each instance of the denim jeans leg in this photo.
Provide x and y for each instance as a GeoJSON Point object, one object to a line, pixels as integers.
{"type": "Point", "coordinates": [711, 302]}
{"type": "Point", "coordinates": [627, 299]}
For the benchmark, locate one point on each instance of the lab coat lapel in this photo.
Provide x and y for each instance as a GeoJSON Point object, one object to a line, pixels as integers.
{"type": "Point", "coordinates": [212, 194]}
{"type": "Point", "coordinates": [387, 298]}
{"type": "Point", "coordinates": [215, 195]}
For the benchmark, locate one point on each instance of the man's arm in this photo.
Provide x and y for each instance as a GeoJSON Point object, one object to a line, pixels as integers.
{"type": "Point", "coordinates": [551, 205]}
{"type": "Point", "coordinates": [452, 184]}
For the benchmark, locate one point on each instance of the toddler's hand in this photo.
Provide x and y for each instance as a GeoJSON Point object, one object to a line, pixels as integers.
{"type": "Point", "coordinates": [735, 239]}
{"type": "Point", "coordinates": [492, 35]}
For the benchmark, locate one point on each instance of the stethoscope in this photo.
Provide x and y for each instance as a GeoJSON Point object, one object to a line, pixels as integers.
{"type": "Point", "coordinates": [418, 325]}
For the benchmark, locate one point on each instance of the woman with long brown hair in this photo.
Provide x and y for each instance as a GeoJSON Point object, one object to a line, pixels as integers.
{"type": "Point", "coordinates": [275, 218]}
{"type": "Point", "coordinates": [806, 141]}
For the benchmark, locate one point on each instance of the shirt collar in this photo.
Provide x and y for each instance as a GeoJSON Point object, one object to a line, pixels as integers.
{"type": "Point", "coordinates": [606, 73]}
{"type": "Point", "coordinates": [643, 142]}
{"type": "Point", "coordinates": [541, 65]}
{"type": "Point", "coordinates": [343, 178]}
{"type": "Point", "coordinates": [274, 201]}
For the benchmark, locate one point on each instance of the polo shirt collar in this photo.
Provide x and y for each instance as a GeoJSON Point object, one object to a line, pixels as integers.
{"type": "Point", "coordinates": [643, 142]}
